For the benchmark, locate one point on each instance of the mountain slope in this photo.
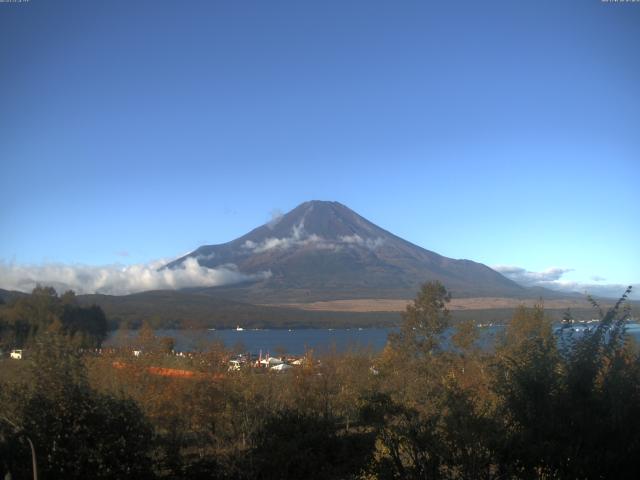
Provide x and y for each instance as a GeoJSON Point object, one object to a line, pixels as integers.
{"type": "Point", "coordinates": [323, 250]}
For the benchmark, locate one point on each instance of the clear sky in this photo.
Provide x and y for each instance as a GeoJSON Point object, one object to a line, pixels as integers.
{"type": "Point", "coordinates": [500, 131]}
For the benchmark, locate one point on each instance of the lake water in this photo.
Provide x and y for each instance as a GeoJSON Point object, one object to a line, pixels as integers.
{"type": "Point", "coordinates": [296, 342]}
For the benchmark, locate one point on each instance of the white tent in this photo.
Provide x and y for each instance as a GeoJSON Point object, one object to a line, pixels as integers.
{"type": "Point", "coordinates": [270, 361]}
{"type": "Point", "coordinates": [281, 367]}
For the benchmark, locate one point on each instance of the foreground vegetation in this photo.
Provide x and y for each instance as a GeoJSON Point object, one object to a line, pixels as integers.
{"type": "Point", "coordinates": [541, 405]}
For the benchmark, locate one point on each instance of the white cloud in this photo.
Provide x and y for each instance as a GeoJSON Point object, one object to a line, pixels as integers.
{"type": "Point", "coordinates": [527, 278]}
{"type": "Point", "coordinates": [611, 290]}
{"type": "Point", "coordinates": [209, 256]}
{"type": "Point", "coordinates": [370, 243]}
{"type": "Point", "coordinates": [276, 216]}
{"type": "Point", "coordinates": [300, 238]}
{"type": "Point", "coordinates": [120, 280]}
{"type": "Point", "coordinates": [552, 278]}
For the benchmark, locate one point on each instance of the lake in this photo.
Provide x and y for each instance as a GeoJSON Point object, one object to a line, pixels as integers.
{"type": "Point", "coordinates": [296, 342]}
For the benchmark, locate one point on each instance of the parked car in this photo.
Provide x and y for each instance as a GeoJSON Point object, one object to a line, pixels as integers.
{"type": "Point", "coordinates": [16, 354]}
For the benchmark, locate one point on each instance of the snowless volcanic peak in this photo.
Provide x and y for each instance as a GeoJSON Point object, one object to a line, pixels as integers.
{"type": "Point", "coordinates": [312, 225]}
{"type": "Point", "coordinates": [316, 224]}
{"type": "Point", "coordinates": [326, 247]}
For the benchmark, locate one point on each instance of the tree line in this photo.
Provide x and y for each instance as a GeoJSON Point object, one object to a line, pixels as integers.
{"type": "Point", "coordinates": [541, 404]}
{"type": "Point", "coordinates": [25, 317]}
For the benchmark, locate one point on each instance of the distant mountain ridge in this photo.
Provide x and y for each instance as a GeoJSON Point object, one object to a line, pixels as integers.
{"type": "Point", "coordinates": [324, 250]}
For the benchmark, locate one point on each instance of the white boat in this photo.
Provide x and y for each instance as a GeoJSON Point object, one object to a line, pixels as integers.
{"type": "Point", "coordinates": [239, 328]}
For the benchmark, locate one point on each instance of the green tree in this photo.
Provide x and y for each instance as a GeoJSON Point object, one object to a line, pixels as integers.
{"type": "Point", "coordinates": [30, 315]}
{"type": "Point", "coordinates": [528, 384]}
{"type": "Point", "coordinates": [87, 325]}
{"type": "Point", "coordinates": [602, 399]}
{"type": "Point", "coordinates": [573, 411]}
{"type": "Point", "coordinates": [424, 320]}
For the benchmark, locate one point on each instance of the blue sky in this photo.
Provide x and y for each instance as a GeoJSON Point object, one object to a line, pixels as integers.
{"type": "Point", "coordinates": [499, 131]}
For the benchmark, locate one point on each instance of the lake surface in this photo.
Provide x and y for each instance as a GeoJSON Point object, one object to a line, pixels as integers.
{"type": "Point", "coordinates": [296, 342]}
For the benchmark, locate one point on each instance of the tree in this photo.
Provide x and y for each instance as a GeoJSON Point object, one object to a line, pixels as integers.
{"type": "Point", "coordinates": [30, 315]}
{"type": "Point", "coordinates": [427, 425]}
{"type": "Point", "coordinates": [573, 411]}
{"type": "Point", "coordinates": [528, 384]}
{"type": "Point", "coordinates": [75, 429]}
{"type": "Point", "coordinates": [602, 399]}
{"type": "Point", "coordinates": [424, 320]}
{"type": "Point", "coordinates": [292, 445]}
{"type": "Point", "coordinates": [87, 324]}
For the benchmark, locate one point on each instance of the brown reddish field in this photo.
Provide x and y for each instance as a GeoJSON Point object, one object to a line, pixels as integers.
{"type": "Point", "coordinates": [398, 305]}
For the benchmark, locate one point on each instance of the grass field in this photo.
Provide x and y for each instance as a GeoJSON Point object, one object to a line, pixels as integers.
{"type": "Point", "coordinates": [398, 305]}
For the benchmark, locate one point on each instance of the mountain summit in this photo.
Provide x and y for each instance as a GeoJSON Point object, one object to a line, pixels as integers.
{"type": "Point", "coordinates": [324, 250]}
